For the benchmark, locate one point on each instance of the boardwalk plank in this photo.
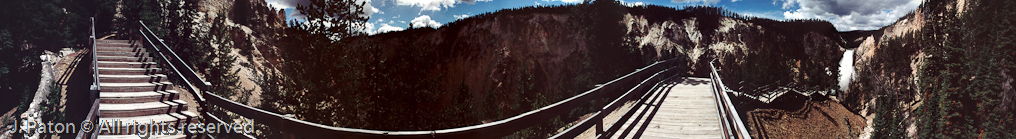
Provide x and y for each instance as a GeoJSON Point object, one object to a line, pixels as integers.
{"type": "Point", "coordinates": [687, 111]}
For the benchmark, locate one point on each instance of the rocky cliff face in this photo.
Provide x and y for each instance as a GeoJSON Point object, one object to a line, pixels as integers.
{"type": "Point", "coordinates": [480, 69]}
{"type": "Point", "coordinates": [801, 54]}
{"type": "Point", "coordinates": [246, 29]}
{"type": "Point", "coordinates": [552, 46]}
{"type": "Point", "coordinates": [937, 72]}
{"type": "Point", "coordinates": [494, 57]}
{"type": "Point", "coordinates": [508, 62]}
{"type": "Point", "coordinates": [868, 63]}
{"type": "Point", "coordinates": [500, 64]}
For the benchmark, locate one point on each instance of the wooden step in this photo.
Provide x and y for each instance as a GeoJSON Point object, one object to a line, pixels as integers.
{"type": "Point", "coordinates": [110, 64]}
{"type": "Point", "coordinates": [138, 97]}
{"type": "Point", "coordinates": [129, 71]}
{"type": "Point", "coordinates": [135, 87]}
{"type": "Point", "coordinates": [684, 111]}
{"type": "Point", "coordinates": [132, 78]}
{"type": "Point", "coordinates": [141, 109]}
{"type": "Point", "coordinates": [119, 49]}
{"type": "Point", "coordinates": [134, 90]}
{"type": "Point", "coordinates": [697, 124]}
{"type": "Point", "coordinates": [682, 133]}
{"type": "Point", "coordinates": [654, 136]}
{"type": "Point", "coordinates": [175, 118]}
{"type": "Point", "coordinates": [113, 41]}
{"type": "Point", "coordinates": [123, 59]}
{"type": "Point", "coordinates": [113, 53]}
{"type": "Point", "coordinates": [117, 45]}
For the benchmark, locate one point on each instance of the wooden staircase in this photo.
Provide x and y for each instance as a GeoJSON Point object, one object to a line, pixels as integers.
{"type": "Point", "coordinates": [134, 89]}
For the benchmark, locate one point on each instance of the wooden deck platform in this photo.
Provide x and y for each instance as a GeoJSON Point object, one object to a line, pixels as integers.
{"type": "Point", "coordinates": [681, 108]}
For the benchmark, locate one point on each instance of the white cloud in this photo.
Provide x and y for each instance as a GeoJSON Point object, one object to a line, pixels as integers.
{"type": "Point", "coordinates": [461, 16]}
{"type": "Point", "coordinates": [368, 9]}
{"type": "Point", "coordinates": [704, 2]}
{"type": "Point", "coordinates": [388, 28]}
{"type": "Point", "coordinates": [286, 4]}
{"type": "Point", "coordinates": [734, 0]}
{"type": "Point", "coordinates": [434, 5]}
{"type": "Point", "coordinates": [565, 1]}
{"type": "Point", "coordinates": [632, 4]}
{"type": "Point", "coordinates": [776, 15]}
{"type": "Point", "coordinates": [428, 5]}
{"type": "Point", "coordinates": [296, 15]}
{"type": "Point", "coordinates": [368, 28]}
{"type": "Point", "coordinates": [424, 21]}
{"type": "Point", "coordinates": [849, 15]}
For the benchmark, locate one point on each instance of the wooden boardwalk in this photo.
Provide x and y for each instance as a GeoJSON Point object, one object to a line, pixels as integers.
{"type": "Point", "coordinates": [681, 108]}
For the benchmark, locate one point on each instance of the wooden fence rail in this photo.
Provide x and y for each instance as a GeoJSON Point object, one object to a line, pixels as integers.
{"type": "Point", "coordinates": [630, 85]}
{"type": "Point", "coordinates": [730, 121]}
{"type": "Point", "coordinates": [495, 129]}
{"type": "Point", "coordinates": [597, 118]}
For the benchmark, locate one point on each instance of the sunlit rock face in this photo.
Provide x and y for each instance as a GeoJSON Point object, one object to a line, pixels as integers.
{"type": "Point", "coordinates": [806, 53]}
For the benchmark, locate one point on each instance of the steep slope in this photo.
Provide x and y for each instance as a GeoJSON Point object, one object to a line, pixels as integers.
{"type": "Point", "coordinates": [800, 54]}
{"type": "Point", "coordinates": [761, 59]}
{"type": "Point", "coordinates": [479, 69]}
{"type": "Point", "coordinates": [495, 65]}
{"type": "Point", "coordinates": [942, 71]}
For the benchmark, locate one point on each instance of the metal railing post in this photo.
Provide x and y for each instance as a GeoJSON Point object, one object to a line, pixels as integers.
{"type": "Point", "coordinates": [94, 89]}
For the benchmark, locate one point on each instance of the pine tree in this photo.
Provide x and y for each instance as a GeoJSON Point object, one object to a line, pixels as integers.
{"type": "Point", "coordinates": [335, 19]}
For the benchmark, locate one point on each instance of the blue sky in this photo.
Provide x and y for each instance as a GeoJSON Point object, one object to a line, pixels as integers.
{"type": "Point", "coordinates": [846, 15]}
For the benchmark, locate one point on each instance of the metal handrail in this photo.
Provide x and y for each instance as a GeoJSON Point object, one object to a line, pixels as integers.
{"type": "Point", "coordinates": [733, 127]}
{"type": "Point", "coordinates": [495, 129]}
{"type": "Point", "coordinates": [658, 78]}
{"type": "Point", "coordinates": [194, 84]}
{"type": "Point", "coordinates": [160, 48]}
{"type": "Point", "coordinates": [95, 59]}
{"type": "Point", "coordinates": [94, 89]}
{"type": "Point", "coordinates": [597, 118]}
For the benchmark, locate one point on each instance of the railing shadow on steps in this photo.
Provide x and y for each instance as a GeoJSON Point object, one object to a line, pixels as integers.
{"type": "Point", "coordinates": [730, 120]}
{"type": "Point", "coordinates": [635, 83]}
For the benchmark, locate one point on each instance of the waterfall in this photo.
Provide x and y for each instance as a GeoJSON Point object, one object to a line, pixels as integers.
{"type": "Point", "coordinates": [846, 69]}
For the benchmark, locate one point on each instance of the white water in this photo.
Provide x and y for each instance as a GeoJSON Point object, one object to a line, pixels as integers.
{"type": "Point", "coordinates": [846, 69]}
